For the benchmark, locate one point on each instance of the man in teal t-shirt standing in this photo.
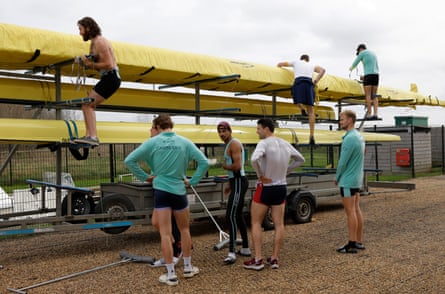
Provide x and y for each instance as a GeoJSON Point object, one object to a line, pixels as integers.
{"type": "Point", "coordinates": [349, 177]}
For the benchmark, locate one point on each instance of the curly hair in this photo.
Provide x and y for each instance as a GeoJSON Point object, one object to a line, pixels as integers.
{"type": "Point", "coordinates": [91, 26]}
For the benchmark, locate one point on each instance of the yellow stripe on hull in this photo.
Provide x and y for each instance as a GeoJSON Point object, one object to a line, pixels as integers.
{"type": "Point", "coordinates": [46, 131]}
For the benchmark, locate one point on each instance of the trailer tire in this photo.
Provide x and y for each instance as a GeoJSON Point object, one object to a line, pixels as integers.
{"type": "Point", "coordinates": [115, 205]}
{"type": "Point", "coordinates": [81, 204]}
{"type": "Point", "coordinates": [301, 206]}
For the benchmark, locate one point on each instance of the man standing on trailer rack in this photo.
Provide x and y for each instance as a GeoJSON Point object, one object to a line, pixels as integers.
{"type": "Point", "coordinates": [169, 155]}
{"type": "Point", "coordinates": [102, 59]}
{"type": "Point", "coordinates": [303, 88]}
{"type": "Point", "coordinates": [238, 184]}
{"type": "Point", "coordinates": [272, 163]}
{"type": "Point", "coordinates": [349, 177]}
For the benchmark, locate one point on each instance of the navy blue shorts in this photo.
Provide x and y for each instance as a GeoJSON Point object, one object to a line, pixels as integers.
{"type": "Point", "coordinates": [371, 80]}
{"type": "Point", "coordinates": [270, 195]}
{"type": "Point", "coordinates": [348, 192]}
{"type": "Point", "coordinates": [303, 91]}
{"type": "Point", "coordinates": [108, 84]}
{"type": "Point", "coordinates": [163, 200]}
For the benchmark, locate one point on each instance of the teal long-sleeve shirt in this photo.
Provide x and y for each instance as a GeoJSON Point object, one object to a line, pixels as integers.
{"type": "Point", "coordinates": [168, 155]}
{"type": "Point", "coordinates": [350, 166]}
{"type": "Point", "coordinates": [369, 60]}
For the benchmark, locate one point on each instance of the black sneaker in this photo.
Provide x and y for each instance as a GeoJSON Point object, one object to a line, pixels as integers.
{"type": "Point", "coordinates": [346, 249]}
{"type": "Point", "coordinates": [359, 246]}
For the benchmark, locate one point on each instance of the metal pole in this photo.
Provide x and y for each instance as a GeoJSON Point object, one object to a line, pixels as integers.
{"type": "Point", "coordinates": [274, 105]}
{"type": "Point", "coordinates": [58, 77]}
{"type": "Point", "coordinates": [443, 149]}
{"type": "Point", "coordinates": [411, 154]}
{"type": "Point", "coordinates": [112, 160]}
{"type": "Point", "coordinates": [197, 105]}
{"type": "Point", "coordinates": [23, 290]}
{"type": "Point", "coordinates": [377, 175]}
{"type": "Point", "coordinates": [224, 238]}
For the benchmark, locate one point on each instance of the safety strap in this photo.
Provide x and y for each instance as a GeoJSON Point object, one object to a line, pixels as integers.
{"type": "Point", "coordinates": [75, 151]}
{"type": "Point", "coordinates": [81, 74]}
{"type": "Point", "coordinates": [75, 148]}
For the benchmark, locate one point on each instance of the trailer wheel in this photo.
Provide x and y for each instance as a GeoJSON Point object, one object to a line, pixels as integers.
{"type": "Point", "coordinates": [81, 204]}
{"type": "Point", "coordinates": [115, 206]}
{"type": "Point", "coordinates": [301, 206]}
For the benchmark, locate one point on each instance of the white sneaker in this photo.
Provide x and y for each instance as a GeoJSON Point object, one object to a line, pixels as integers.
{"type": "Point", "coordinates": [244, 252]}
{"type": "Point", "coordinates": [173, 281]}
{"type": "Point", "coordinates": [230, 259]}
{"type": "Point", "coordinates": [161, 262]}
{"type": "Point", "coordinates": [177, 259]}
{"type": "Point", "coordinates": [191, 273]}
{"type": "Point", "coordinates": [158, 263]}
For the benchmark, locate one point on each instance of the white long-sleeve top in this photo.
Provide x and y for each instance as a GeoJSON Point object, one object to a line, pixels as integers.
{"type": "Point", "coordinates": [275, 158]}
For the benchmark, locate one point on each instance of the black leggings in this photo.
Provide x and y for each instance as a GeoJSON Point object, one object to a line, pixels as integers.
{"type": "Point", "coordinates": [234, 213]}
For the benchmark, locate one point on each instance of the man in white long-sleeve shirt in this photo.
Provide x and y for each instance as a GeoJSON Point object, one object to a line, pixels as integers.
{"type": "Point", "coordinates": [272, 160]}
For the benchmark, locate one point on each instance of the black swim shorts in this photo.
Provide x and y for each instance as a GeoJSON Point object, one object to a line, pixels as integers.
{"type": "Point", "coordinates": [109, 83]}
{"type": "Point", "coordinates": [371, 80]}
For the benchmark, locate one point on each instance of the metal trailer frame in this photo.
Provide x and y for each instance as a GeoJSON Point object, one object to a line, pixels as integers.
{"type": "Point", "coordinates": [122, 205]}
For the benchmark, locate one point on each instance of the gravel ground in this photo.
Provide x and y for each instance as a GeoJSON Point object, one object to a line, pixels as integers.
{"type": "Point", "coordinates": [404, 235]}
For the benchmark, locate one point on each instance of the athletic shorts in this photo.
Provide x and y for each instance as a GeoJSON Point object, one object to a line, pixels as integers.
{"type": "Point", "coordinates": [163, 200]}
{"type": "Point", "coordinates": [270, 195]}
{"type": "Point", "coordinates": [109, 83]}
{"type": "Point", "coordinates": [303, 91]}
{"type": "Point", "coordinates": [371, 80]}
{"type": "Point", "coordinates": [348, 192]}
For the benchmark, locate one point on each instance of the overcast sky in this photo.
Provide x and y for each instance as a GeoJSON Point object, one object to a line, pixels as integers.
{"type": "Point", "coordinates": [407, 36]}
